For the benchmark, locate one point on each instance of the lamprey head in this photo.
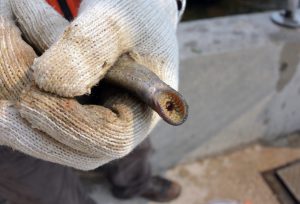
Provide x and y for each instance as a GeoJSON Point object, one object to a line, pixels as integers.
{"type": "Point", "coordinates": [171, 106]}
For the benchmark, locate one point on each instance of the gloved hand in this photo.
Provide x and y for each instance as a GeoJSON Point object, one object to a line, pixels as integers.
{"type": "Point", "coordinates": [83, 137]}
{"type": "Point", "coordinates": [103, 31]}
{"type": "Point", "coordinates": [16, 57]}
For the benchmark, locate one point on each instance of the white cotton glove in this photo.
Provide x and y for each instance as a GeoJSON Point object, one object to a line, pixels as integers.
{"type": "Point", "coordinates": [104, 31]}
{"type": "Point", "coordinates": [83, 137]}
{"type": "Point", "coordinates": [16, 57]}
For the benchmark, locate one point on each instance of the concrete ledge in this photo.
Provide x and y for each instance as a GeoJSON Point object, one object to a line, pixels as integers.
{"type": "Point", "coordinates": [217, 35]}
{"type": "Point", "coordinates": [240, 76]}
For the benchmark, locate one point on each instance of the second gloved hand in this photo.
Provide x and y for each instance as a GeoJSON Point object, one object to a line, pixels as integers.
{"type": "Point", "coordinates": [104, 30]}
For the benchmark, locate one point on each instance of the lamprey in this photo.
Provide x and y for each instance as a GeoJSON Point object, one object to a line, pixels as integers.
{"type": "Point", "coordinates": [147, 86]}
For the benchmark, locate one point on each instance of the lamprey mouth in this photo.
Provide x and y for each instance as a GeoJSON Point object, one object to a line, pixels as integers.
{"type": "Point", "coordinates": [148, 87]}
{"type": "Point", "coordinates": [171, 106]}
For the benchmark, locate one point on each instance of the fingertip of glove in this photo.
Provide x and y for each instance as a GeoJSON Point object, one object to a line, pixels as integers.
{"type": "Point", "coordinates": [67, 80]}
{"type": "Point", "coordinates": [53, 79]}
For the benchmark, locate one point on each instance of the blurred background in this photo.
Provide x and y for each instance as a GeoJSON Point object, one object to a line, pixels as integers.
{"type": "Point", "coordinates": [240, 74]}
{"type": "Point", "coordinates": [199, 9]}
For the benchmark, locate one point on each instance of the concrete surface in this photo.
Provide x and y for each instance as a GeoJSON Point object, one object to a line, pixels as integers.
{"type": "Point", "coordinates": [240, 76]}
{"type": "Point", "coordinates": [235, 176]}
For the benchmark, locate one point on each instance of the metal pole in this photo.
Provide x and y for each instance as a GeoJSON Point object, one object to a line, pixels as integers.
{"type": "Point", "coordinates": [289, 17]}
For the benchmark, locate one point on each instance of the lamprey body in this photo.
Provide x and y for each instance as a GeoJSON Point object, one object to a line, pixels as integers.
{"type": "Point", "coordinates": [145, 84]}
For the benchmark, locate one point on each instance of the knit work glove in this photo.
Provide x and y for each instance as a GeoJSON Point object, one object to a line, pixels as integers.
{"type": "Point", "coordinates": [66, 132]}
{"type": "Point", "coordinates": [104, 30]}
